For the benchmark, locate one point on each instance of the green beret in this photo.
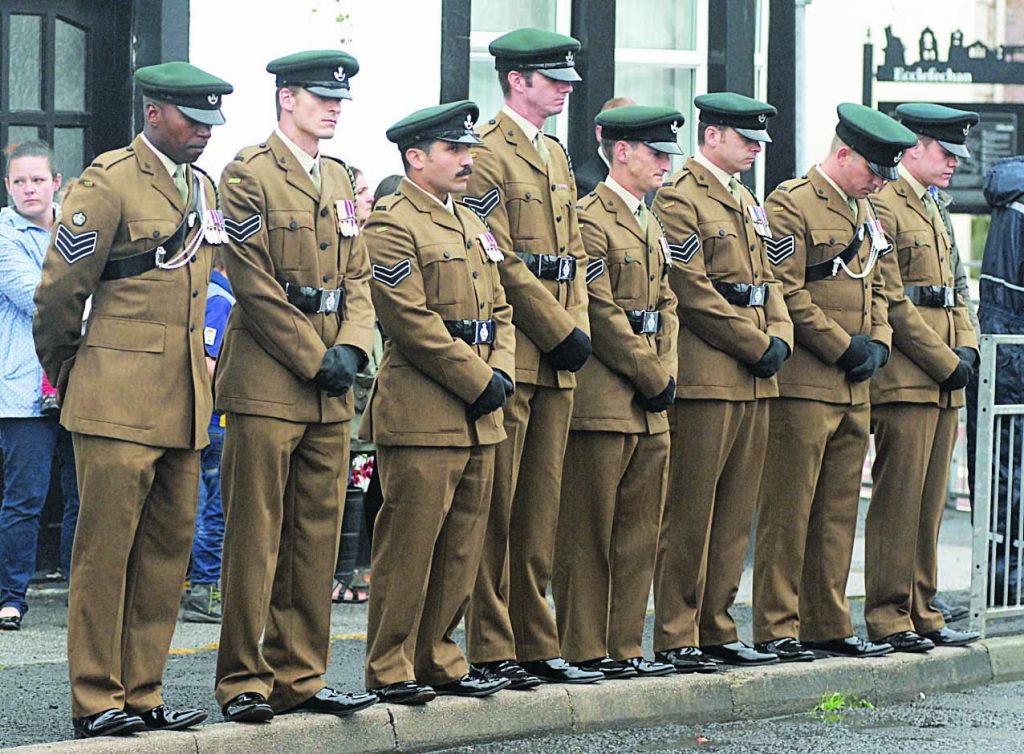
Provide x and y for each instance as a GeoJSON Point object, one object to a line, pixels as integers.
{"type": "Point", "coordinates": [875, 136]}
{"type": "Point", "coordinates": [528, 49]}
{"type": "Point", "coordinates": [947, 125]}
{"type": "Point", "coordinates": [196, 93]}
{"type": "Point", "coordinates": [746, 115]}
{"type": "Point", "coordinates": [657, 127]}
{"type": "Point", "coordinates": [323, 72]}
{"type": "Point", "coordinates": [452, 121]}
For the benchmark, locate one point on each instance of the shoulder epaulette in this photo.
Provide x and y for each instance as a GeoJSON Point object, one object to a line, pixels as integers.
{"type": "Point", "coordinates": [793, 183]}
{"type": "Point", "coordinates": [247, 153]}
{"type": "Point", "coordinates": [482, 129]}
{"type": "Point", "coordinates": [387, 203]}
{"type": "Point", "coordinates": [348, 170]}
{"type": "Point", "coordinates": [588, 200]}
{"type": "Point", "coordinates": [108, 159]}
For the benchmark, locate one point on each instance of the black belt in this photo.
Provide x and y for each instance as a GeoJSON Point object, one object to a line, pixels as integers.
{"type": "Point", "coordinates": [936, 296]}
{"type": "Point", "coordinates": [743, 294]}
{"type": "Point", "coordinates": [475, 332]}
{"type": "Point", "coordinates": [644, 322]}
{"type": "Point", "coordinates": [315, 300]}
{"type": "Point", "coordinates": [549, 266]}
{"type": "Point", "coordinates": [822, 270]}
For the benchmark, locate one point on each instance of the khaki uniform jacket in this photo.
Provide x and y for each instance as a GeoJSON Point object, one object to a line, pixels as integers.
{"type": "Point", "coordinates": [429, 266]}
{"type": "Point", "coordinates": [811, 223]}
{"type": "Point", "coordinates": [282, 232]}
{"type": "Point", "coordinates": [923, 337]}
{"type": "Point", "coordinates": [628, 271]}
{"type": "Point", "coordinates": [713, 240]}
{"type": "Point", "coordinates": [139, 373]}
{"type": "Point", "coordinates": [531, 207]}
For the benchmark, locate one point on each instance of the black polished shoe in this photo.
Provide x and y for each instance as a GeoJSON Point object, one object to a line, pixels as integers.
{"type": "Point", "coordinates": [111, 722]}
{"type": "Point", "coordinates": [165, 718]}
{"type": "Point", "coordinates": [248, 707]}
{"type": "Point", "coordinates": [950, 637]}
{"type": "Point", "coordinates": [738, 653]}
{"type": "Point", "coordinates": [688, 660]}
{"type": "Point", "coordinates": [787, 649]}
{"type": "Point", "coordinates": [519, 679]}
{"type": "Point", "coordinates": [649, 669]}
{"type": "Point", "coordinates": [557, 670]}
{"type": "Point", "coordinates": [950, 613]}
{"type": "Point", "coordinates": [849, 646]}
{"type": "Point", "coordinates": [909, 641]}
{"type": "Point", "coordinates": [608, 667]}
{"type": "Point", "coordinates": [472, 684]}
{"type": "Point", "coordinates": [329, 701]}
{"type": "Point", "coordinates": [404, 692]}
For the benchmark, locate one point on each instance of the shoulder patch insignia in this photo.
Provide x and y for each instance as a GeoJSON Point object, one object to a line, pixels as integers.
{"type": "Point", "coordinates": [391, 276]}
{"type": "Point", "coordinates": [234, 181]}
{"type": "Point", "coordinates": [595, 268]}
{"type": "Point", "coordinates": [74, 246]}
{"type": "Point", "coordinates": [779, 249]}
{"type": "Point", "coordinates": [683, 252]}
{"type": "Point", "coordinates": [483, 205]}
{"type": "Point", "coordinates": [78, 219]}
{"type": "Point", "coordinates": [240, 231]}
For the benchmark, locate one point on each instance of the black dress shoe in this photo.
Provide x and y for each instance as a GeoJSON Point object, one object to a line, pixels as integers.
{"type": "Point", "coordinates": [328, 701]}
{"type": "Point", "coordinates": [688, 660]}
{"type": "Point", "coordinates": [909, 641]}
{"type": "Point", "coordinates": [111, 722]}
{"type": "Point", "coordinates": [165, 718]}
{"type": "Point", "coordinates": [519, 679]}
{"type": "Point", "coordinates": [472, 684]}
{"type": "Point", "coordinates": [950, 613]}
{"type": "Point", "coordinates": [609, 667]}
{"type": "Point", "coordinates": [557, 670]}
{"type": "Point", "coordinates": [404, 692]}
{"type": "Point", "coordinates": [738, 653]}
{"type": "Point", "coordinates": [647, 669]}
{"type": "Point", "coordinates": [248, 707]}
{"type": "Point", "coordinates": [950, 637]}
{"type": "Point", "coordinates": [787, 649]}
{"type": "Point", "coordinates": [849, 646]}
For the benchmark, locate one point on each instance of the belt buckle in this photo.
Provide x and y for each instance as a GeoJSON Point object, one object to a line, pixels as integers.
{"type": "Point", "coordinates": [948, 297]}
{"type": "Point", "coordinates": [483, 332]}
{"type": "Point", "coordinates": [566, 269]}
{"type": "Point", "coordinates": [161, 255]}
{"type": "Point", "coordinates": [328, 300]}
{"type": "Point", "coordinates": [651, 320]}
{"type": "Point", "coordinates": [756, 295]}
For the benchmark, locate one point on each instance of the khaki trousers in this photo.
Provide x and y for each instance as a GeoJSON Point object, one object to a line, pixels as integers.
{"type": "Point", "coordinates": [509, 617]}
{"type": "Point", "coordinates": [134, 535]}
{"type": "Point", "coordinates": [807, 521]}
{"type": "Point", "coordinates": [913, 445]}
{"type": "Point", "coordinates": [282, 519]}
{"type": "Point", "coordinates": [426, 552]}
{"type": "Point", "coordinates": [613, 488]}
{"type": "Point", "coordinates": [714, 471]}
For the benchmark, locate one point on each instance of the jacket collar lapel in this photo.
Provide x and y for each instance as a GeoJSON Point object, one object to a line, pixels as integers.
{"type": "Point", "coordinates": [524, 148]}
{"type": "Point", "coordinates": [429, 205]}
{"type": "Point", "coordinates": [149, 164]}
{"type": "Point", "coordinates": [295, 175]}
{"type": "Point", "coordinates": [826, 192]}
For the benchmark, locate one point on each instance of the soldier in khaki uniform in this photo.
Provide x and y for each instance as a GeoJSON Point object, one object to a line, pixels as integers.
{"type": "Point", "coordinates": [734, 335]}
{"type": "Point", "coordinates": [915, 400]}
{"type": "Point", "coordinates": [522, 185]}
{"type": "Point", "coordinates": [824, 251]}
{"type": "Point", "coordinates": [616, 460]}
{"type": "Point", "coordinates": [435, 414]}
{"type": "Point", "coordinates": [135, 392]}
{"type": "Point", "coordinates": [299, 332]}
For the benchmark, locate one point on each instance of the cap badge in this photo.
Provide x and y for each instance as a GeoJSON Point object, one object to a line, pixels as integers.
{"type": "Point", "coordinates": [761, 118]}
{"type": "Point", "coordinates": [469, 123]}
{"type": "Point", "coordinates": [967, 128]}
{"type": "Point", "coordinates": [897, 158]}
{"type": "Point", "coordinates": [570, 58]}
{"type": "Point", "coordinates": [674, 127]}
{"type": "Point", "coordinates": [213, 99]}
{"type": "Point", "coordinates": [339, 75]}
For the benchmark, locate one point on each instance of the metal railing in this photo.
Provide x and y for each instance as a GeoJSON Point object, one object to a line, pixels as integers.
{"type": "Point", "coordinates": [999, 475]}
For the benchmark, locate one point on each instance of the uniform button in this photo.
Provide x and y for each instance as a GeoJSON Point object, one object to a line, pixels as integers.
{"type": "Point", "coordinates": [865, 311]}
{"type": "Point", "coordinates": [323, 212]}
{"type": "Point", "coordinates": [481, 307]}
{"type": "Point", "coordinates": [552, 187]}
{"type": "Point", "coordinates": [447, 255]}
{"type": "Point", "coordinates": [721, 231]}
{"type": "Point", "coordinates": [561, 248]}
{"type": "Point", "coordinates": [323, 245]}
{"type": "Point", "coordinates": [942, 259]}
{"type": "Point", "coordinates": [831, 242]}
{"type": "Point", "coordinates": [191, 328]}
{"type": "Point", "coordinates": [865, 286]}
{"type": "Point", "coordinates": [863, 260]}
{"type": "Point", "coordinates": [326, 278]}
{"type": "Point", "coordinates": [469, 245]}
{"type": "Point", "coordinates": [475, 274]}
{"type": "Point", "coordinates": [156, 234]}
{"type": "Point", "coordinates": [193, 259]}
{"type": "Point", "coordinates": [916, 242]}
{"type": "Point", "coordinates": [558, 219]}
{"type": "Point", "coordinates": [529, 195]}
{"type": "Point", "coordinates": [195, 294]}
{"type": "Point", "coordinates": [652, 277]}
{"type": "Point", "coordinates": [293, 225]}
{"type": "Point", "coordinates": [746, 219]}
{"type": "Point", "coordinates": [628, 259]}
{"type": "Point", "coordinates": [751, 247]}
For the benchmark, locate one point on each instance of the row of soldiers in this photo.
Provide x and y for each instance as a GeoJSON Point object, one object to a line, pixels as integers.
{"type": "Point", "coordinates": [580, 393]}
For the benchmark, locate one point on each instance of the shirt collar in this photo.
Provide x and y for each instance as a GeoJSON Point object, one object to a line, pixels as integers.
{"type": "Point", "coordinates": [529, 129]}
{"type": "Point", "coordinates": [448, 204]}
{"type": "Point", "coordinates": [722, 176]}
{"type": "Point", "coordinates": [916, 186]}
{"type": "Point", "coordinates": [166, 161]}
{"type": "Point", "coordinates": [632, 203]}
{"type": "Point", "coordinates": [302, 156]}
{"type": "Point", "coordinates": [10, 216]}
{"type": "Point", "coordinates": [833, 184]}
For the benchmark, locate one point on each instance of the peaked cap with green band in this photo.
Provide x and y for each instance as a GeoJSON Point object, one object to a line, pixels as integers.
{"type": "Point", "coordinates": [529, 49]}
{"type": "Point", "coordinates": [325, 73]}
{"type": "Point", "coordinates": [196, 93]}
{"type": "Point", "coordinates": [452, 121]}
{"type": "Point", "coordinates": [947, 125]}
{"type": "Point", "coordinates": [746, 115]}
{"type": "Point", "coordinates": [875, 136]}
{"type": "Point", "coordinates": [657, 127]}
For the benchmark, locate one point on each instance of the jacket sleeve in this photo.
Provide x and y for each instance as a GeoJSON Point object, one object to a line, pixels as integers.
{"type": "Point", "coordinates": [775, 311]}
{"type": "Point", "coordinates": [703, 309]}
{"type": "Point", "coordinates": [668, 338]}
{"type": "Point", "coordinates": [503, 353]}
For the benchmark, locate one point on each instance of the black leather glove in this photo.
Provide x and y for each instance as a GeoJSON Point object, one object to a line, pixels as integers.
{"type": "Point", "coordinates": [572, 353]}
{"type": "Point", "coordinates": [661, 401]}
{"type": "Point", "coordinates": [491, 399]}
{"type": "Point", "coordinates": [958, 379]}
{"type": "Point", "coordinates": [878, 354]}
{"type": "Point", "coordinates": [967, 354]}
{"type": "Point", "coordinates": [506, 382]}
{"type": "Point", "coordinates": [771, 360]}
{"type": "Point", "coordinates": [338, 370]}
{"type": "Point", "coordinates": [856, 354]}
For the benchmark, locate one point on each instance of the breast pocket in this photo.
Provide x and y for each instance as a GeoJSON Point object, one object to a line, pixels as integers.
{"type": "Point", "coordinates": [720, 246]}
{"type": "Point", "coordinates": [916, 255]}
{"type": "Point", "coordinates": [526, 211]}
{"type": "Point", "coordinates": [445, 272]}
{"type": "Point", "coordinates": [627, 275]}
{"type": "Point", "coordinates": [291, 232]}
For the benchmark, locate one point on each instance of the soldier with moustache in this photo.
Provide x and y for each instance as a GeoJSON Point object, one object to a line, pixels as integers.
{"type": "Point", "coordinates": [916, 399]}
{"type": "Point", "coordinates": [616, 461]}
{"type": "Point", "coordinates": [298, 334]}
{"type": "Point", "coordinates": [825, 248]}
{"type": "Point", "coordinates": [435, 415]}
{"type": "Point", "coordinates": [522, 185]}
{"type": "Point", "coordinates": [135, 235]}
{"type": "Point", "coordinates": [734, 335]}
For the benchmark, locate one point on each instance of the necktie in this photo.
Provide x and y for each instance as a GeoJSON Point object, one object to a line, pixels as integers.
{"type": "Point", "coordinates": [734, 189]}
{"type": "Point", "coordinates": [931, 206]}
{"type": "Point", "coordinates": [179, 182]}
{"type": "Point", "coordinates": [542, 147]}
{"type": "Point", "coordinates": [641, 216]}
{"type": "Point", "coordinates": [314, 174]}
{"type": "Point", "coordinates": [852, 203]}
